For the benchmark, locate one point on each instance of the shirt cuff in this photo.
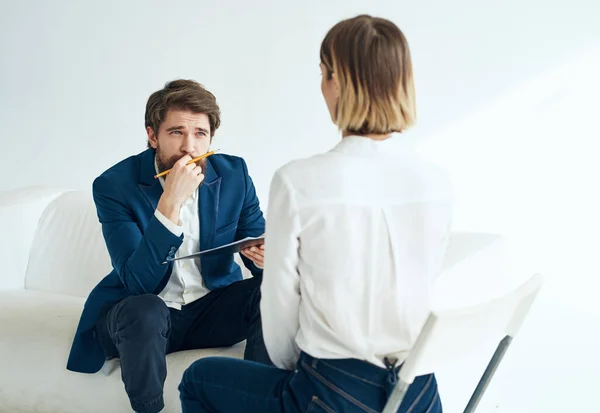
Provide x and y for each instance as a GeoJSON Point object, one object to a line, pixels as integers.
{"type": "Point", "coordinates": [177, 230]}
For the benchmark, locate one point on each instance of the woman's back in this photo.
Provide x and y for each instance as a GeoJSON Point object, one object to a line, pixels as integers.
{"type": "Point", "coordinates": [354, 239]}
{"type": "Point", "coordinates": [371, 220]}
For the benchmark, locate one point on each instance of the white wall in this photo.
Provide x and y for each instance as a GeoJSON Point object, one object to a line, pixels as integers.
{"type": "Point", "coordinates": [75, 75]}
{"type": "Point", "coordinates": [525, 164]}
{"type": "Point", "coordinates": [507, 95]}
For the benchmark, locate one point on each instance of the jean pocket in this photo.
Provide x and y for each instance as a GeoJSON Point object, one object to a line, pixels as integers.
{"type": "Point", "coordinates": [337, 391]}
{"type": "Point", "coordinates": [318, 406]}
{"type": "Point", "coordinates": [436, 405]}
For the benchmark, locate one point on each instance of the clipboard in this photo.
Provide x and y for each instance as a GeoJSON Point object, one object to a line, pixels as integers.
{"type": "Point", "coordinates": [231, 248]}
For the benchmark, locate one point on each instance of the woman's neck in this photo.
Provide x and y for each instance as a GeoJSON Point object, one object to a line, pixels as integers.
{"type": "Point", "coordinates": [374, 136]}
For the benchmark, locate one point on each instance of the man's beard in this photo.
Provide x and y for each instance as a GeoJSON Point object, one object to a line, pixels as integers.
{"type": "Point", "coordinates": [164, 163]}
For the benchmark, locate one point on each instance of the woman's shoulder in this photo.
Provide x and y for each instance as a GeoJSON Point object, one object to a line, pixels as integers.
{"type": "Point", "coordinates": [301, 168]}
{"type": "Point", "coordinates": [302, 175]}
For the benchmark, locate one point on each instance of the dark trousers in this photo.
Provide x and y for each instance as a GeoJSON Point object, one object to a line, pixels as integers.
{"type": "Point", "coordinates": [141, 330]}
{"type": "Point", "coordinates": [221, 385]}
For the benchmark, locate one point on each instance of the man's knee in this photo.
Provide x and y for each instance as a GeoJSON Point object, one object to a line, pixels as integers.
{"type": "Point", "coordinates": [145, 315]}
{"type": "Point", "coordinates": [193, 376]}
{"type": "Point", "coordinates": [190, 380]}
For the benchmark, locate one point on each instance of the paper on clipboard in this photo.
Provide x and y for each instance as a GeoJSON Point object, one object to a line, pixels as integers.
{"type": "Point", "coordinates": [230, 248]}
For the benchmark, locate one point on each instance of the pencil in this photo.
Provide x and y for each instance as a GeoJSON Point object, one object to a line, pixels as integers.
{"type": "Point", "coordinates": [206, 155]}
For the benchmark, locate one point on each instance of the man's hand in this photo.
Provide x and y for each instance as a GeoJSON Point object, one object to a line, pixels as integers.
{"type": "Point", "coordinates": [180, 183]}
{"type": "Point", "coordinates": [256, 254]}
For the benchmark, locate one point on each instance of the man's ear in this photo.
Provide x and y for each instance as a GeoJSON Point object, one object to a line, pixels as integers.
{"type": "Point", "coordinates": [152, 139]}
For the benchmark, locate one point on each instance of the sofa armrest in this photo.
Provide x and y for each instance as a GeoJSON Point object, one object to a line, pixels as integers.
{"type": "Point", "coordinates": [20, 211]}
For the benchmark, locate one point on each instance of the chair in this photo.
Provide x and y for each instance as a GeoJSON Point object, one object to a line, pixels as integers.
{"type": "Point", "coordinates": [453, 333]}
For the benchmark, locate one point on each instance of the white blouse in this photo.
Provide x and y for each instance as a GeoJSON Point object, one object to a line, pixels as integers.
{"type": "Point", "coordinates": [354, 240]}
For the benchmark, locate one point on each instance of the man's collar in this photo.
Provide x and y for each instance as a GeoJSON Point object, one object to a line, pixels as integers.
{"type": "Point", "coordinates": [161, 179]}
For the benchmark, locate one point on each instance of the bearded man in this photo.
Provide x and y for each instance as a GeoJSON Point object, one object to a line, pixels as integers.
{"type": "Point", "coordinates": [150, 304]}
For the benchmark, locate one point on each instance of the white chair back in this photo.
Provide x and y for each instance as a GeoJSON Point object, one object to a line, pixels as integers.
{"type": "Point", "coordinates": [452, 334]}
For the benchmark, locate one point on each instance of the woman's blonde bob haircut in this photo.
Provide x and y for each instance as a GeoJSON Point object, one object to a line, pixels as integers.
{"type": "Point", "coordinates": [371, 60]}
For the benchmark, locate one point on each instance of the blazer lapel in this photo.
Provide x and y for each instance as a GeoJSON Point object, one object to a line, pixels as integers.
{"type": "Point", "coordinates": [150, 187]}
{"type": "Point", "coordinates": [208, 196]}
{"type": "Point", "coordinates": [208, 205]}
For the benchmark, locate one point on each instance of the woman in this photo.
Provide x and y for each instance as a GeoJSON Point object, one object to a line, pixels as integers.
{"type": "Point", "coordinates": [354, 239]}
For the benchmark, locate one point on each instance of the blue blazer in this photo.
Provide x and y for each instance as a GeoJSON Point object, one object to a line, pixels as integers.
{"type": "Point", "coordinates": [126, 197]}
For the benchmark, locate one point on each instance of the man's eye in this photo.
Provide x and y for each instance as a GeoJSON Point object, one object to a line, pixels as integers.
{"type": "Point", "coordinates": [175, 132]}
{"type": "Point", "coordinates": [201, 134]}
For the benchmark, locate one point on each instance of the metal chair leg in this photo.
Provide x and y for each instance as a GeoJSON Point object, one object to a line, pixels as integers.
{"type": "Point", "coordinates": [488, 374]}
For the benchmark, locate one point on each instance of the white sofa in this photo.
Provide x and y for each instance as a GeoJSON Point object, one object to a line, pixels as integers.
{"type": "Point", "coordinates": [52, 254]}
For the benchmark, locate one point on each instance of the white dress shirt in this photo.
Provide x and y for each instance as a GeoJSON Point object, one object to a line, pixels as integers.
{"type": "Point", "coordinates": [185, 284]}
{"type": "Point", "coordinates": [354, 240]}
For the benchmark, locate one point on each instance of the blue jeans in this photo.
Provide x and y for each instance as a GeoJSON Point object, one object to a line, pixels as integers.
{"type": "Point", "coordinates": [141, 330]}
{"type": "Point", "coordinates": [222, 385]}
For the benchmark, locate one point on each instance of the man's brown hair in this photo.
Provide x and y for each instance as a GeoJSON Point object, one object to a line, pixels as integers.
{"type": "Point", "coordinates": [372, 63]}
{"type": "Point", "coordinates": [182, 94]}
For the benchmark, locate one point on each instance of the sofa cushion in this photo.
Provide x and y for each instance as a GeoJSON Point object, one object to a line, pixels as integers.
{"type": "Point", "coordinates": [68, 254]}
{"type": "Point", "coordinates": [37, 330]}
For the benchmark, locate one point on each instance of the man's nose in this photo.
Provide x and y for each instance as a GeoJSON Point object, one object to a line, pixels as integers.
{"type": "Point", "coordinates": [188, 144]}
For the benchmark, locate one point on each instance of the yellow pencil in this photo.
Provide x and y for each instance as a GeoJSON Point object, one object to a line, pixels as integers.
{"type": "Point", "coordinates": [206, 155]}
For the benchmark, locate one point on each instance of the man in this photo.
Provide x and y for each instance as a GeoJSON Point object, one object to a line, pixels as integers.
{"type": "Point", "coordinates": [145, 308]}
